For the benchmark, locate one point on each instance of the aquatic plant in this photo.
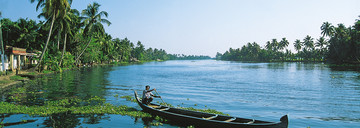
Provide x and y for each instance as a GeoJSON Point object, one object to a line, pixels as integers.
{"type": "Point", "coordinates": [213, 111]}
{"type": "Point", "coordinates": [94, 105]}
{"type": "Point", "coordinates": [129, 98]}
{"type": "Point", "coordinates": [156, 123]}
{"type": "Point", "coordinates": [165, 104]}
{"type": "Point", "coordinates": [160, 119]}
{"type": "Point", "coordinates": [116, 95]}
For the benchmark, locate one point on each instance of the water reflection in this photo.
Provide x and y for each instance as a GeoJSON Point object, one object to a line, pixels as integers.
{"type": "Point", "coordinates": [68, 120]}
{"type": "Point", "coordinates": [345, 68]}
{"type": "Point", "coordinates": [314, 94]}
{"type": "Point", "coordinates": [62, 120]}
{"type": "Point", "coordinates": [83, 84]}
{"type": "Point", "coordinates": [14, 123]}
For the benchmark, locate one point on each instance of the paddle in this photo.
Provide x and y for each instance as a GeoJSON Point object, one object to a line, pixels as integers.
{"type": "Point", "coordinates": [160, 97]}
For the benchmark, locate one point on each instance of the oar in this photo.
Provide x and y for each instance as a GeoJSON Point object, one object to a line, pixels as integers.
{"type": "Point", "coordinates": [160, 97]}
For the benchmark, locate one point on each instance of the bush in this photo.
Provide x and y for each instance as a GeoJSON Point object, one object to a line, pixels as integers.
{"type": "Point", "coordinates": [5, 81]}
{"type": "Point", "coordinates": [16, 78]}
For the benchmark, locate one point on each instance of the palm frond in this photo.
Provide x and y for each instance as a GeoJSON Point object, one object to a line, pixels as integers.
{"type": "Point", "coordinates": [106, 21]}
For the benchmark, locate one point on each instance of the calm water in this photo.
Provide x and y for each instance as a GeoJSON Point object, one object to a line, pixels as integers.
{"type": "Point", "coordinates": [314, 95]}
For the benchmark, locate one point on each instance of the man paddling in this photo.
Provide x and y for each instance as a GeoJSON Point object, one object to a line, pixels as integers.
{"type": "Point", "coordinates": [147, 95]}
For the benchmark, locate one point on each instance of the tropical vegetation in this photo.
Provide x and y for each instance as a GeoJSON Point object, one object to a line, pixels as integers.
{"type": "Point", "coordinates": [337, 45]}
{"type": "Point", "coordinates": [68, 38]}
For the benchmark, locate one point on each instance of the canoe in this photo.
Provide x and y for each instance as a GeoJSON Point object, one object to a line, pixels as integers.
{"type": "Point", "coordinates": [207, 120]}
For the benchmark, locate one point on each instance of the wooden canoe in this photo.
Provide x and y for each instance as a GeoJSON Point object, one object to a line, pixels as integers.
{"type": "Point", "coordinates": [207, 120]}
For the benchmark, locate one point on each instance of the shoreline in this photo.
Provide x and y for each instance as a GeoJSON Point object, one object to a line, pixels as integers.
{"type": "Point", "coordinates": [25, 75]}
{"type": "Point", "coordinates": [12, 80]}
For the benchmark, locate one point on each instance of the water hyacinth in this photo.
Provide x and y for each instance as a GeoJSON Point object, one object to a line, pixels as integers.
{"type": "Point", "coordinates": [129, 98]}
{"type": "Point", "coordinates": [25, 101]}
{"type": "Point", "coordinates": [71, 105]}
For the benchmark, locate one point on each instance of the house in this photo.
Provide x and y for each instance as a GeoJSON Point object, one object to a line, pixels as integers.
{"type": "Point", "coordinates": [17, 58]}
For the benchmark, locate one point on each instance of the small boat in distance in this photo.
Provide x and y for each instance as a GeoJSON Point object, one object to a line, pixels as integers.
{"type": "Point", "coordinates": [207, 120]}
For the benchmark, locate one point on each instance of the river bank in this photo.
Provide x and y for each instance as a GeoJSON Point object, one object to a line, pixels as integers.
{"type": "Point", "coordinates": [11, 79]}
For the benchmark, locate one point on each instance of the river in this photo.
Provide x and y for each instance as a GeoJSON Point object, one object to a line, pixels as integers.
{"type": "Point", "coordinates": [312, 94]}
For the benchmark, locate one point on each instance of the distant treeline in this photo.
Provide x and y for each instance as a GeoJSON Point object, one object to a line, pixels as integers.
{"type": "Point", "coordinates": [188, 57]}
{"type": "Point", "coordinates": [339, 45]}
{"type": "Point", "coordinates": [67, 38]}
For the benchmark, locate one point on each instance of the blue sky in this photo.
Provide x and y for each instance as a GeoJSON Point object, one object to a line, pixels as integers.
{"type": "Point", "coordinates": [204, 27]}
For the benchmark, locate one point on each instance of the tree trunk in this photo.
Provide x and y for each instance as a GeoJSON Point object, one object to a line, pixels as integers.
{"type": "Point", "coordinates": [2, 51]}
{"type": "Point", "coordinates": [47, 42]}
{"type": "Point", "coordinates": [83, 50]}
{"type": "Point", "coordinates": [58, 41]}
{"type": "Point", "coordinates": [64, 49]}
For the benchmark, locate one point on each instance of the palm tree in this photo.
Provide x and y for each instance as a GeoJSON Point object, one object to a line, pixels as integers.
{"type": "Point", "coordinates": [52, 9]}
{"type": "Point", "coordinates": [93, 22]}
{"type": "Point", "coordinates": [339, 44]}
{"type": "Point", "coordinates": [2, 48]}
{"type": "Point", "coordinates": [27, 30]}
{"type": "Point", "coordinates": [309, 43]}
{"type": "Point", "coordinates": [275, 45]}
{"type": "Point", "coordinates": [283, 43]}
{"type": "Point", "coordinates": [297, 45]}
{"type": "Point", "coordinates": [321, 43]}
{"type": "Point", "coordinates": [340, 32]}
{"type": "Point", "coordinates": [268, 45]}
{"type": "Point", "coordinates": [126, 49]}
{"type": "Point", "coordinates": [327, 29]}
{"type": "Point", "coordinates": [308, 46]}
{"type": "Point", "coordinates": [67, 24]}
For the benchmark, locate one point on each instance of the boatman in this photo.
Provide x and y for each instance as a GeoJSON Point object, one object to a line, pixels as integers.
{"type": "Point", "coordinates": [147, 95]}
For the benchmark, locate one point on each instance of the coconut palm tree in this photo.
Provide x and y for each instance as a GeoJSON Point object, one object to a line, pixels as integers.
{"type": "Point", "coordinates": [297, 45]}
{"type": "Point", "coordinates": [308, 49]}
{"type": "Point", "coordinates": [52, 9]}
{"type": "Point", "coordinates": [268, 45]}
{"type": "Point", "coordinates": [327, 29]}
{"type": "Point", "coordinates": [275, 45]}
{"type": "Point", "coordinates": [66, 25]}
{"type": "Point", "coordinates": [27, 31]}
{"type": "Point", "coordinates": [308, 43]}
{"type": "Point", "coordinates": [321, 43]}
{"type": "Point", "coordinates": [2, 48]}
{"type": "Point", "coordinates": [339, 44]}
{"type": "Point", "coordinates": [283, 43]}
{"type": "Point", "coordinates": [93, 20]}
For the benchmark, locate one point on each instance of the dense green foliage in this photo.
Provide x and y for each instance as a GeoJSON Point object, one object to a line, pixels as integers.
{"type": "Point", "coordinates": [68, 37]}
{"type": "Point", "coordinates": [187, 57]}
{"type": "Point", "coordinates": [341, 46]}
